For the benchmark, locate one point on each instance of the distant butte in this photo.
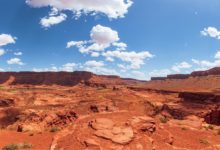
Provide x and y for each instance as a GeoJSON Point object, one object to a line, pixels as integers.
{"type": "Point", "coordinates": [213, 71]}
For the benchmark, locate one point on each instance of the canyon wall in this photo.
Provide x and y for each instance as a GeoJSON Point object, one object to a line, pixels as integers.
{"type": "Point", "coordinates": [47, 78]}
{"type": "Point", "coordinates": [213, 71]}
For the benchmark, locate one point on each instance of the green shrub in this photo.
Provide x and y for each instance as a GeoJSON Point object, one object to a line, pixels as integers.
{"type": "Point", "coordinates": [11, 147]}
{"type": "Point", "coordinates": [54, 129]}
{"type": "Point", "coordinates": [184, 128]}
{"type": "Point", "coordinates": [203, 141]}
{"type": "Point", "coordinates": [164, 119]}
{"type": "Point", "coordinates": [26, 145]}
{"type": "Point", "coordinates": [209, 127]}
{"type": "Point", "coordinates": [218, 132]}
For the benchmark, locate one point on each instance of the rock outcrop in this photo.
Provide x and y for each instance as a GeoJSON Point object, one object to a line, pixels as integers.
{"type": "Point", "coordinates": [105, 128]}
{"type": "Point", "coordinates": [199, 97]}
{"type": "Point", "coordinates": [178, 76]}
{"type": "Point", "coordinates": [213, 71]}
{"type": "Point", "coordinates": [213, 117]}
{"type": "Point", "coordinates": [6, 102]}
{"type": "Point", "coordinates": [63, 78]}
{"type": "Point", "coordinates": [45, 78]}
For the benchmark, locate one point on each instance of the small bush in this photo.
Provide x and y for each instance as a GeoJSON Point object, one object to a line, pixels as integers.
{"type": "Point", "coordinates": [218, 132]}
{"type": "Point", "coordinates": [54, 129]}
{"type": "Point", "coordinates": [209, 127]}
{"type": "Point", "coordinates": [184, 128]}
{"type": "Point", "coordinates": [11, 147]}
{"type": "Point", "coordinates": [26, 145]}
{"type": "Point", "coordinates": [164, 119]}
{"type": "Point", "coordinates": [203, 141]}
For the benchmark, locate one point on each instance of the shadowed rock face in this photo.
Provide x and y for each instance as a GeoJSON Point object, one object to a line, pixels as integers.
{"type": "Point", "coordinates": [47, 78]}
{"type": "Point", "coordinates": [213, 117]}
{"type": "Point", "coordinates": [199, 97]}
{"type": "Point", "coordinates": [213, 71]}
{"type": "Point", "coordinates": [178, 76]}
{"type": "Point", "coordinates": [63, 78]}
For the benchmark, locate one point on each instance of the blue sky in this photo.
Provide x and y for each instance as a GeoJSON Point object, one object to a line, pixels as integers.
{"type": "Point", "coordinates": [137, 39]}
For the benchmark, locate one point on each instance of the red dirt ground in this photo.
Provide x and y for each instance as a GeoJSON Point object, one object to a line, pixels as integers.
{"type": "Point", "coordinates": [110, 113]}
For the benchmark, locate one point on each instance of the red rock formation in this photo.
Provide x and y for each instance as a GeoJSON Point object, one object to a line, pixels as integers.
{"type": "Point", "coordinates": [158, 78]}
{"type": "Point", "coordinates": [178, 76]}
{"type": "Point", "coordinates": [213, 117]}
{"type": "Point", "coordinates": [199, 97]}
{"type": "Point", "coordinates": [62, 78]}
{"type": "Point", "coordinates": [213, 71]}
{"type": "Point", "coordinates": [47, 78]}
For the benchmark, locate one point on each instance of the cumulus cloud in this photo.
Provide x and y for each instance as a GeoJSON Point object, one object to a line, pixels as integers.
{"type": "Point", "coordinates": [98, 67]}
{"type": "Point", "coordinates": [217, 55]}
{"type": "Point", "coordinates": [2, 52]}
{"type": "Point", "coordinates": [111, 8]}
{"type": "Point", "coordinates": [51, 69]}
{"type": "Point", "coordinates": [183, 65]}
{"type": "Point", "coordinates": [177, 68]}
{"type": "Point", "coordinates": [160, 73]}
{"type": "Point", "coordinates": [54, 18]}
{"type": "Point", "coordinates": [15, 61]}
{"type": "Point", "coordinates": [18, 53]}
{"type": "Point", "coordinates": [93, 63]}
{"type": "Point", "coordinates": [69, 67]}
{"type": "Point", "coordinates": [120, 46]}
{"type": "Point", "coordinates": [206, 64]}
{"type": "Point", "coordinates": [139, 75]}
{"type": "Point", "coordinates": [6, 39]}
{"type": "Point", "coordinates": [212, 32]}
{"type": "Point", "coordinates": [101, 38]}
{"type": "Point", "coordinates": [95, 54]}
{"type": "Point", "coordinates": [75, 43]}
{"type": "Point", "coordinates": [103, 35]}
{"type": "Point", "coordinates": [136, 59]}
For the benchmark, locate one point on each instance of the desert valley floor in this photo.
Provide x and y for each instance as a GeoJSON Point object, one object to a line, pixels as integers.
{"type": "Point", "coordinates": [84, 111]}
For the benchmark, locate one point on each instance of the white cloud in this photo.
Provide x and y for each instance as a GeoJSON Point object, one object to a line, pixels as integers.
{"type": "Point", "coordinates": [18, 53]}
{"type": "Point", "coordinates": [95, 54]}
{"type": "Point", "coordinates": [6, 39]}
{"type": "Point", "coordinates": [212, 32]}
{"type": "Point", "coordinates": [2, 52]}
{"type": "Point", "coordinates": [121, 66]}
{"type": "Point", "coordinates": [160, 73]}
{"type": "Point", "coordinates": [112, 8]}
{"type": "Point", "coordinates": [15, 61]}
{"type": "Point", "coordinates": [120, 46]}
{"type": "Point", "coordinates": [104, 38]}
{"type": "Point", "coordinates": [75, 43]}
{"type": "Point", "coordinates": [217, 55]}
{"type": "Point", "coordinates": [54, 18]}
{"type": "Point", "coordinates": [69, 67]}
{"type": "Point", "coordinates": [136, 59]}
{"type": "Point", "coordinates": [93, 63]}
{"type": "Point", "coordinates": [103, 35]}
{"type": "Point", "coordinates": [183, 65]}
{"type": "Point", "coordinates": [206, 64]}
{"type": "Point", "coordinates": [101, 38]}
{"type": "Point", "coordinates": [139, 75]}
{"type": "Point", "coordinates": [2, 70]}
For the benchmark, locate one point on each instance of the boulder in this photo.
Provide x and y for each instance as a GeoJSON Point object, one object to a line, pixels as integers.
{"type": "Point", "coordinates": [143, 124]}
{"type": "Point", "coordinates": [106, 129]}
{"type": "Point", "coordinates": [6, 102]}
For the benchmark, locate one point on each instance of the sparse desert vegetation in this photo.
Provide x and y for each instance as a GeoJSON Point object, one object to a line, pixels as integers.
{"type": "Point", "coordinates": [101, 112]}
